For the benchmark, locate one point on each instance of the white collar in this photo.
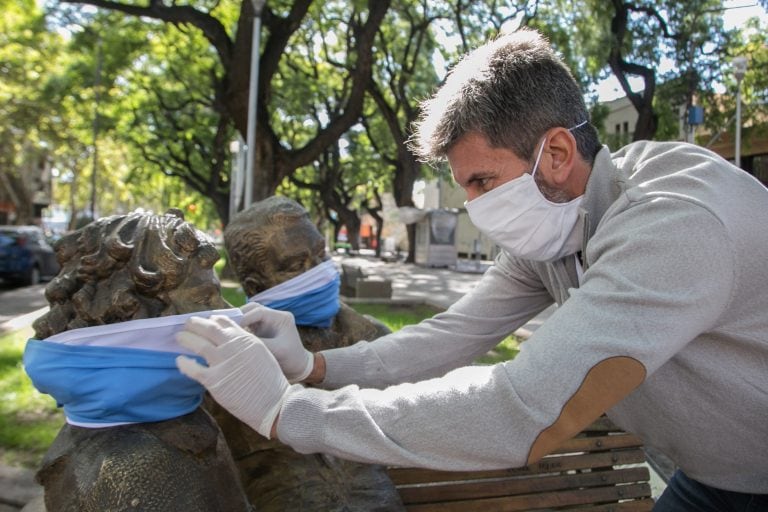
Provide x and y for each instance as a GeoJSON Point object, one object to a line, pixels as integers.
{"type": "Point", "coordinates": [158, 334]}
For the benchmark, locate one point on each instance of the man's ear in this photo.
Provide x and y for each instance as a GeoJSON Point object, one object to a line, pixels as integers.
{"type": "Point", "coordinates": [561, 153]}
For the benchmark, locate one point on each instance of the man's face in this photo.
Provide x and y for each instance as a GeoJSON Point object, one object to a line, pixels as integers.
{"type": "Point", "coordinates": [478, 168]}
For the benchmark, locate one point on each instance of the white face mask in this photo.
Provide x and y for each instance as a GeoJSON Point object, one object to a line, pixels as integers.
{"type": "Point", "coordinates": [520, 220]}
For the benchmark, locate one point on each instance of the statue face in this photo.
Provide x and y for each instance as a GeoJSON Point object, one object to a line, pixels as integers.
{"type": "Point", "coordinates": [292, 248]}
{"type": "Point", "coordinates": [200, 291]}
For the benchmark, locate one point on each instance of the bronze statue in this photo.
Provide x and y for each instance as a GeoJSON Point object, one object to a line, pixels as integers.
{"type": "Point", "coordinates": [273, 241]}
{"type": "Point", "coordinates": [117, 269]}
{"type": "Point", "coordinates": [270, 243]}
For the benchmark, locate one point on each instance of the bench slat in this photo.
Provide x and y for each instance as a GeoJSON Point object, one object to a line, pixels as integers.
{"type": "Point", "coordinates": [642, 505]}
{"type": "Point", "coordinates": [598, 443]}
{"type": "Point", "coordinates": [476, 489]}
{"type": "Point", "coordinates": [538, 501]}
{"type": "Point", "coordinates": [549, 464]}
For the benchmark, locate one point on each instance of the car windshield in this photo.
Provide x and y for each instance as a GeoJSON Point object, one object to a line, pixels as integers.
{"type": "Point", "coordinates": [9, 237]}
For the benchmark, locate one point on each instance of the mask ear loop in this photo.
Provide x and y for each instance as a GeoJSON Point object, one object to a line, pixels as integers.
{"type": "Point", "coordinates": [578, 125]}
{"type": "Point", "coordinates": [538, 157]}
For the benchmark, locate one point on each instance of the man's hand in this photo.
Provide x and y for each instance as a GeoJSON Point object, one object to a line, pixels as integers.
{"type": "Point", "coordinates": [278, 332]}
{"type": "Point", "coordinates": [242, 375]}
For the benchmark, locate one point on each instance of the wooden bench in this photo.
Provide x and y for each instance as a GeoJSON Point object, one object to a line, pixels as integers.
{"type": "Point", "coordinates": [600, 470]}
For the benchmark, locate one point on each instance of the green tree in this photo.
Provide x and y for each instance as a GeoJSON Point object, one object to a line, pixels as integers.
{"type": "Point", "coordinates": [275, 156]}
{"type": "Point", "coordinates": [170, 118]}
{"type": "Point", "coordinates": [27, 54]}
{"type": "Point", "coordinates": [750, 42]}
{"type": "Point", "coordinates": [636, 38]}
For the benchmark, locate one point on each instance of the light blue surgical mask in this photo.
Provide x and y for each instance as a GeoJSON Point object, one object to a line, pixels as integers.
{"type": "Point", "coordinates": [312, 296]}
{"type": "Point", "coordinates": [117, 374]}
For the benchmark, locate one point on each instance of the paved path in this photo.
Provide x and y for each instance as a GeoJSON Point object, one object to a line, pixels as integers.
{"type": "Point", "coordinates": [439, 287]}
{"type": "Point", "coordinates": [20, 306]}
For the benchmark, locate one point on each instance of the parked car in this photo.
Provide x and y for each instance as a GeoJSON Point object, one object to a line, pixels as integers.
{"type": "Point", "coordinates": [26, 256]}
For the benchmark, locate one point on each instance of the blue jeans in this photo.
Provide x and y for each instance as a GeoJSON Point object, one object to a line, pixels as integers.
{"type": "Point", "coordinates": [685, 495]}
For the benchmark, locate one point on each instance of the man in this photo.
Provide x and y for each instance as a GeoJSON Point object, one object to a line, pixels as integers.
{"type": "Point", "coordinates": [655, 255]}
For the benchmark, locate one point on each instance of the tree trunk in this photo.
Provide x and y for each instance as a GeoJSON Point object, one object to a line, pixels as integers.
{"type": "Point", "coordinates": [647, 120]}
{"type": "Point", "coordinates": [406, 172]}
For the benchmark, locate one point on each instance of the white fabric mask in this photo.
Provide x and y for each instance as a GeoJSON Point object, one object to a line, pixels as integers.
{"type": "Point", "coordinates": [520, 220]}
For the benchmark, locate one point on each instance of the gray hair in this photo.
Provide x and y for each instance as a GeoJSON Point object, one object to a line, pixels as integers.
{"type": "Point", "coordinates": [510, 90]}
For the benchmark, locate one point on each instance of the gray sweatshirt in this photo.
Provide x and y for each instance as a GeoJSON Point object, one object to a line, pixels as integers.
{"type": "Point", "coordinates": [667, 332]}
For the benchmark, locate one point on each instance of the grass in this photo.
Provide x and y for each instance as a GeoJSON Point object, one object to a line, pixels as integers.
{"type": "Point", "coordinates": [29, 420]}
{"type": "Point", "coordinates": [232, 293]}
{"type": "Point", "coordinates": [396, 316]}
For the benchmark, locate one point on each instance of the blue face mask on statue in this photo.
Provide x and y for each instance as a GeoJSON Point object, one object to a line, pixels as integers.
{"type": "Point", "coordinates": [117, 374]}
{"type": "Point", "coordinates": [312, 297]}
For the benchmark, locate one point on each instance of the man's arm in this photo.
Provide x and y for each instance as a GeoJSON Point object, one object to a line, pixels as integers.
{"type": "Point", "coordinates": [317, 375]}
{"type": "Point", "coordinates": [505, 298]}
{"type": "Point", "coordinates": [651, 289]}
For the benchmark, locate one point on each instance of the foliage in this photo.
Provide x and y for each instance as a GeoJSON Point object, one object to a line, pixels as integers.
{"type": "Point", "coordinates": [27, 55]}
{"type": "Point", "coordinates": [750, 42]}
{"type": "Point", "coordinates": [172, 125]}
{"type": "Point", "coordinates": [29, 420]}
{"type": "Point", "coordinates": [141, 100]}
{"type": "Point", "coordinates": [681, 45]}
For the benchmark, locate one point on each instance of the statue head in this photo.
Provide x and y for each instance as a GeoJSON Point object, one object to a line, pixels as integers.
{"type": "Point", "coordinates": [271, 242]}
{"type": "Point", "coordinates": [128, 267]}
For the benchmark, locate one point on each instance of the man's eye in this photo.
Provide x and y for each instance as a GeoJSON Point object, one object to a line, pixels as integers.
{"type": "Point", "coordinates": [484, 183]}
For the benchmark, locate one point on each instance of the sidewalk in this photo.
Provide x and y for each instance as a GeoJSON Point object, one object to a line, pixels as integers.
{"type": "Point", "coordinates": [438, 287]}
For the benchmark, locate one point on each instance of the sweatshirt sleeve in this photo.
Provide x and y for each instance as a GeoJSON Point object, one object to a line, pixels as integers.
{"type": "Point", "coordinates": [655, 283]}
{"type": "Point", "coordinates": [506, 297]}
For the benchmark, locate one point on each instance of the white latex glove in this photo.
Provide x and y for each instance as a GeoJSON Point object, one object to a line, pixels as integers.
{"type": "Point", "coordinates": [242, 375]}
{"type": "Point", "coordinates": [277, 330]}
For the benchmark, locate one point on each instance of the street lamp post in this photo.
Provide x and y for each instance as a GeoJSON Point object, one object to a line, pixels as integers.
{"type": "Point", "coordinates": [95, 126]}
{"type": "Point", "coordinates": [739, 70]}
{"type": "Point", "coordinates": [253, 89]}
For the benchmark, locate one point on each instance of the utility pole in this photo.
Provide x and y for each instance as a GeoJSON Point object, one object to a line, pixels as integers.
{"type": "Point", "coordinates": [739, 70]}
{"type": "Point", "coordinates": [96, 100]}
{"type": "Point", "coordinates": [253, 90]}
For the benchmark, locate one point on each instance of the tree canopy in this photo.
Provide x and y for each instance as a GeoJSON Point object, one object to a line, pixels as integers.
{"type": "Point", "coordinates": [140, 99]}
